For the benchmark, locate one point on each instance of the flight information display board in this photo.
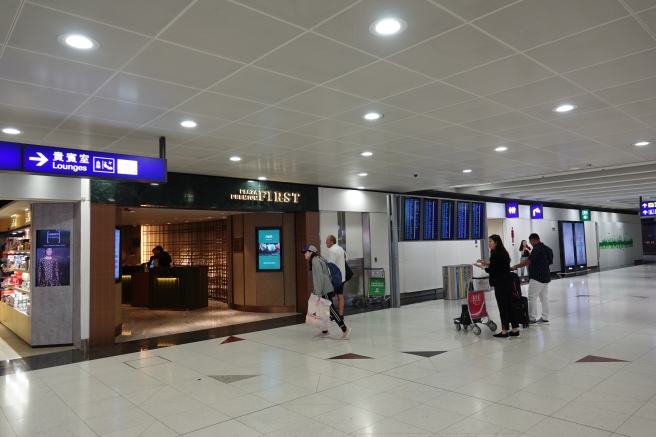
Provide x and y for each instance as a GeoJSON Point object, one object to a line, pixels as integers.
{"type": "Point", "coordinates": [462, 230]}
{"type": "Point", "coordinates": [446, 229]}
{"type": "Point", "coordinates": [478, 223]}
{"type": "Point", "coordinates": [412, 216]}
{"type": "Point", "coordinates": [431, 219]}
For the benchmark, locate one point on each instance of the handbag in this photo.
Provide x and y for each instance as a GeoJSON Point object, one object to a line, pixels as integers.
{"type": "Point", "coordinates": [318, 312]}
{"type": "Point", "coordinates": [349, 272]}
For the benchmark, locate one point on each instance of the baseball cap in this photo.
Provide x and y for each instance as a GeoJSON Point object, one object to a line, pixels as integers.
{"type": "Point", "coordinates": [309, 249]}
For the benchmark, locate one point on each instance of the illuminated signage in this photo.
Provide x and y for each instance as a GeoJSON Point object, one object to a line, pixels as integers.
{"type": "Point", "coordinates": [647, 209]}
{"type": "Point", "coordinates": [266, 196]}
{"type": "Point", "coordinates": [512, 210]}
{"type": "Point", "coordinates": [585, 215]}
{"type": "Point", "coordinates": [536, 212]}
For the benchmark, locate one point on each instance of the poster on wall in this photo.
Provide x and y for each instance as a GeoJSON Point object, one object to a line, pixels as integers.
{"type": "Point", "coordinates": [53, 254]}
{"type": "Point", "coordinates": [269, 257]}
{"type": "Point", "coordinates": [431, 219]}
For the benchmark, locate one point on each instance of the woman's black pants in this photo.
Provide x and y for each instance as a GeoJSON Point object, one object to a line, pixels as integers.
{"type": "Point", "coordinates": [503, 293]}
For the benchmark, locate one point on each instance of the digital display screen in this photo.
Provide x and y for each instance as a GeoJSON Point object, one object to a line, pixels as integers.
{"type": "Point", "coordinates": [53, 252]}
{"type": "Point", "coordinates": [117, 255]}
{"type": "Point", "coordinates": [478, 223]}
{"type": "Point", "coordinates": [568, 244]}
{"type": "Point", "coordinates": [268, 249]}
{"type": "Point", "coordinates": [431, 219]}
{"type": "Point", "coordinates": [579, 240]}
{"type": "Point", "coordinates": [411, 223]}
{"type": "Point", "coordinates": [446, 230]}
{"type": "Point", "coordinates": [463, 221]}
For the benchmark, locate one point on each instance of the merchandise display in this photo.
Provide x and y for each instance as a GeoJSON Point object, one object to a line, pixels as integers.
{"type": "Point", "coordinates": [15, 280]}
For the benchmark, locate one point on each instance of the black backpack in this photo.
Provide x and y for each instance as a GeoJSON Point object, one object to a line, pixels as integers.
{"type": "Point", "coordinates": [517, 287]}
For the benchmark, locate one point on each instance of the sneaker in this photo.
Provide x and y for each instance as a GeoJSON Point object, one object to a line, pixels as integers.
{"type": "Point", "coordinates": [346, 333]}
{"type": "Point", "coordinates": [322, 335]}
{"type": "Point", "coordinates": [533, 321]}
{"type": "Point", "coordinates": [544, 322]}
{"type": "Point", "coordinates": [513, 334]}
{"type": "Point", "coordinates": [332, 319]}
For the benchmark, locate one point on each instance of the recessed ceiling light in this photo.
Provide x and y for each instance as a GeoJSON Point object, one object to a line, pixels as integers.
{"type": "Point", "coordinates": [11, 131]}
{"type": "Point", "coordinates": [362, 174]}
{"type": "Point", "coordinates": [262, 178]}
{"type": "Point", "coordinates": [642, 143]}
{"type": "Point", "coordinates": [80, 42]}
{"type": "Point", "coordinates": [467, 170]}
{"type": "Point", "coordinates": [501, 149]}
{"type": "Point", "coordinates": [366, 154]}
{"type": "Point", "coordinates": [235, 158]}
{"type": "Point", "coordinates": [188, 123]}
{"type": "Point", "coordinates": [372, 116]}
{"type": "Point", "coordinates": [564, 108]}
{"type": "Point", "coordinates": [388, 26]}
{"type": "Point", "coordinates": [360, 188]}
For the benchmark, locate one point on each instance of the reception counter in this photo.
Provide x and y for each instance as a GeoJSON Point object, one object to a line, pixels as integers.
{"type": "Point", "coordinates": [168, 288]}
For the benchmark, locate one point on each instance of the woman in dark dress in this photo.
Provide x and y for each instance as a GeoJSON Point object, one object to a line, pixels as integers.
{"type": "Point", "coordinates": [48, 270]}
{"type": "Point", "coordinates": [501, 280]}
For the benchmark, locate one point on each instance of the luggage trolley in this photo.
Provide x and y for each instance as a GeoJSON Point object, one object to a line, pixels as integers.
{"type": "Point", "coordinates": [475, 310]}
{"type": "Point", "coordinates": [375, 287]}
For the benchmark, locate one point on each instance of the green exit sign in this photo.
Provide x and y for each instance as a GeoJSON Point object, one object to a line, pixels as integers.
{"type": "Point", "coordinates": [585, 215]}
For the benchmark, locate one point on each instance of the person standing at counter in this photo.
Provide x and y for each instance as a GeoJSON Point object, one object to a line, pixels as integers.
{"type": "Point", "coordinates": [48, 270]}
{"type": "Point", "coordinates": [160, 258]}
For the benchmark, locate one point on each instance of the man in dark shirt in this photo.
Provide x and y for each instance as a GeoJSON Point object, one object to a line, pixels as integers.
{"type": "Point", "coordinates": [539, 276]}
{"type": "Point", "coordinates": [163, 258]}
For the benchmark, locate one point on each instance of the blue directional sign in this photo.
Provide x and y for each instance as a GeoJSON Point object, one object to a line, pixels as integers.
{"type": "Point", "coordinates": [536, 212]}
{"type": "Point", "coordinates": [10, 156]}
{"type": "Point", "coordinates": [57, 161]}
{"type": "Point", "coordinates": [512, 210]}
{"type": "Point", "coordinates": [647, 209]}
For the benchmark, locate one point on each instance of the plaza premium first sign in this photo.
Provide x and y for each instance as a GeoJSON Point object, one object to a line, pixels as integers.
{"type": "Point", "coordinates": [266, 196]}
{"type": "Point", "coordinates": [59, 161]}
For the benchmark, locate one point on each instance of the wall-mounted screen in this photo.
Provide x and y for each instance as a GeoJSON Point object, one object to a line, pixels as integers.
{"type": "Point", "coordinates": [579, 241]}
{"type": "Point", "coordinates": [269, 255]}
{"type": "Point", "coordinates": [478, 221]}
{"type": "Point", "coordinates": [567, 254]}
{"type": "Point", "coordinates": [431, 219]}
{"type": "Point", "coordinates": [462, 229]}
{"type": "Point", "coordinates": [446, 219]}
{"type": "Point", "coordinates": [117, 255]}
{"type": "Point", "coordinates": [411, 218]}
{"type": "Point", "coordinates": [53, 252]}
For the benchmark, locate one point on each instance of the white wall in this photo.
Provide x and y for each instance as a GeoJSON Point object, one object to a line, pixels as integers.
{"type": "Point", "coordinates": [421, 262]}
{"type": "Point", "coordinates": [332, 199]}
{"type": "Point", "coordinates": [618, 257]}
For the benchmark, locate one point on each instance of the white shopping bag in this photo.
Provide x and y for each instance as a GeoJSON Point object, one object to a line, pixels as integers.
{"type": "Point", "coordinates": [318, 313]}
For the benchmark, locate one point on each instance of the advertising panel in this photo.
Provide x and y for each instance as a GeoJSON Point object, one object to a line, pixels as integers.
{"type": "Point", "coordinates": [53, 252]}
{"type": "Point", "coordinates": [579, 239]}
{"type": "Point", "coordinates": [567, 236]}
{"type": "Point", "coordinates": [269, 257]}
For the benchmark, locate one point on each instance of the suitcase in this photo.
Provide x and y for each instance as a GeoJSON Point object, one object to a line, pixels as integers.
{"type": "Point", "coordinates": [521, 311]}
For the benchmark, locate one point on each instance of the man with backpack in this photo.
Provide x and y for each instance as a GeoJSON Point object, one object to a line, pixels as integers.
{"type": "Point", "coordinates": [539, 275]}
{"type": "Point", "coordinates": [337, 256]}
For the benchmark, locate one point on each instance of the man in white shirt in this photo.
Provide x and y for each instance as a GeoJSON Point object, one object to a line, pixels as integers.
{"type": "Point", "coordinates": [337, 256]}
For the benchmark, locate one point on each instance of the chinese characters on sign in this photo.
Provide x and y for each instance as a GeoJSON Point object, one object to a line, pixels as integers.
{"type": "Point", "coordinates": [648, 209]}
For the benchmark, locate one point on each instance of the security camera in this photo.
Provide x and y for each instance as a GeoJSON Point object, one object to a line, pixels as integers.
{"type": "Point", "coordinates": [416, 175]}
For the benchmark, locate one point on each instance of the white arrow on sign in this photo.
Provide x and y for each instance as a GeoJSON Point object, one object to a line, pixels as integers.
{"type": "Point", "coordinates": [644, 212]}
{"type": "Point", "coordinates": [536, 211]}
{"type": "Point", "coordinates": [644, 205]}
{"type": "Point", "coordinates": [42, 159]}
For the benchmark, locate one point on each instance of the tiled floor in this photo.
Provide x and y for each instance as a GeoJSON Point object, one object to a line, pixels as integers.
{"type": "Point", "coordinates": [12, 346]}
{"type": "Point", "coordinates": [282, 382]}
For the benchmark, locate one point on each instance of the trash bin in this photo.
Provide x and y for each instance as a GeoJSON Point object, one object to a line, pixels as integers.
{"type": "Point", "coordinates": [455, 280]}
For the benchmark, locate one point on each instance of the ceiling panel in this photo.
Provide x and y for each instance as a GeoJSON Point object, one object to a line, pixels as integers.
{"type": "Point", "coordinates": [631, 92]}
{"type": "Point", "coordinates": [9, 11]}
{"type": "Point", "coordinates": [38, 97]}
{"type": "Point", "coordinates": [137, 89]}
{"type": "Point", "coordinates": [499, 122]}
{"type": "Point", "coordinates": [30, 117]}
{"type": "Point", "coordinates": [637, 109]}
{"type": "Point", "coordinates": [47, 71]}
{"type": "Point", "coordinates": [315, 59]}
{"type": "Point", "coordinates": [329, 129]}
{"type": "Point", "coordinates": [389, 79]}
{"type": "Point", "coordinates": [528, 131]}
{"type": "Point", "coordinates": [124, 112]}
{"type": "Point", "coordinates": [537, 93]}
{"type": "Point", "coordinates": [244, 132]}
{"type": "Point", "coordinates": [209, 24]}
{"type": "Point", "coordinates": [323, 102]}
{"type": "Point", "coordinates": [278, 118]}
{"type": "Point", "coordinates": [118, 46]}
{"type": "Point", "coordinates": [601, 44]}
{"type": "Point", "coordinates": [452, 52]}
{"type": "Point", "coordinates": [554, 20]}
{"type": "Point", "coordinates": [170, 63]}
{"type": "Point", "coordinates": [471, 110]}
{"type": "Point", "coordinates": [146, 16]}
{"type": "Point", "coordinates": [414, 125]}
{"type": "Point", "coordinates": [305, 13]}
{"type": "Point", "coordinates": [219, 106]}
{"type": "Point", "coordinates": [352, 27]}
{"type": "Point", "coordinates": [500, 75]}
{"type": "Point", "coordinates": [429, 97]}
{"type": "Point", "coordinates": [261, 86]}
{"type": "Point", "coordinates": [172, 119]}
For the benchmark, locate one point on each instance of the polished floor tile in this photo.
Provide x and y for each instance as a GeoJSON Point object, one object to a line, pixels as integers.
{"type": "Point", "coordinates": [280, 381]}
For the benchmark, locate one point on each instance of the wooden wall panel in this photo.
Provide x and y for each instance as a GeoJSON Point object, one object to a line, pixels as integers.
{"type": "Point", "coordinates": [270, 286]}
{"type": "Point", "coordinates": [289, 258]}
{"type": "Point", "coordinates": [102, 299]}
{"type": "Point", "coordinates": [238, 290]}
{"type": "Point", "coordinates": [250, 258]}
{"type": "Point", "coordinates": [307, 233]}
